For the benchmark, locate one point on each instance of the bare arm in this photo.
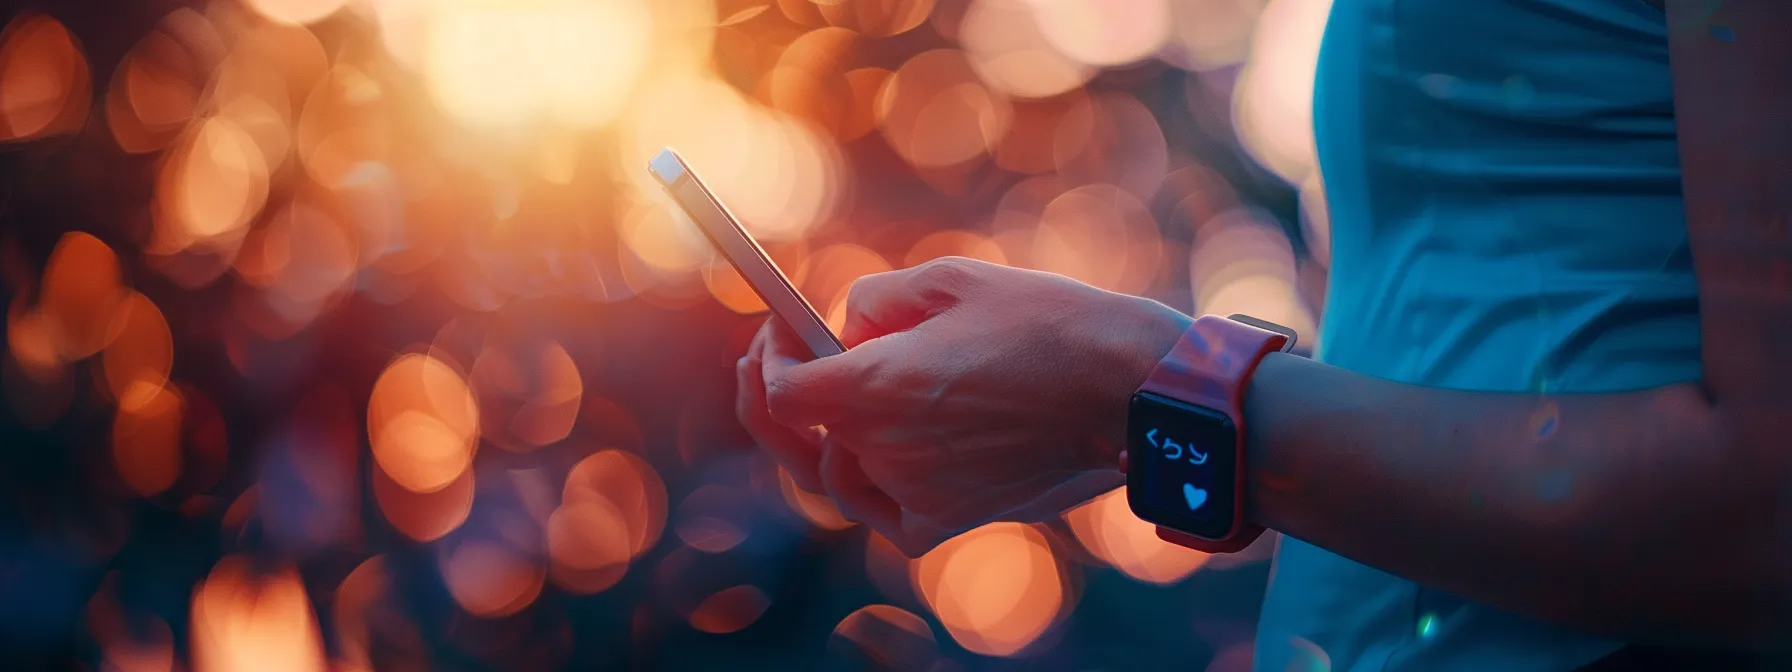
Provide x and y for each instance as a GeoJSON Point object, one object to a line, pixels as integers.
{"type": "Point", "coordinates": [1660, 515]}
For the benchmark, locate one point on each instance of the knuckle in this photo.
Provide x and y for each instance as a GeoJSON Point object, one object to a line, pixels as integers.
{"type": "Point", "coordinates": [783, 399]}
{"type": "Point", "coordinates": [947, 275]}
{"type": "Point", "coordinates": [862, 288]}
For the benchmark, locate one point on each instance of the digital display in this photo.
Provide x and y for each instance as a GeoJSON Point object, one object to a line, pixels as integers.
{"type": "Point", "coordinates": [1182, 465]}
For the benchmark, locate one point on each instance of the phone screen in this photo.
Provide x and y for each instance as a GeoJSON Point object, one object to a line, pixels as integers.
{"type": "Point", "coordinates": [743, 252]}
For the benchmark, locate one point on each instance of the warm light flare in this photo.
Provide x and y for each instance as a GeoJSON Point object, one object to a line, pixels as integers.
{"type": "Point", "coordinates": [1105, 32]}
{"type": "Point", "coordinates": [1244, 263]}
{"type": "Point", "coordinates": [1100, 235]}
{"type": "Point", "coordinates": [731, 610]}
{"type": "Point", "coordinates": [589, 545]}
{"type": "Point", "coordinates": [937, 112]}
{"type": "Point", "coordinates": [160, 84]}
{"type": "Point", "coordinates": [296, 11]}
{"type": "Point", "coordinates": [996, 588]}
{"type": "Point", "coordinates": [80, 296]}
{"type": "Point", "coordinates": [146, 445]}
{"type": "Point", "coordinates": [503, 64]}
{"type": "Point", "coordinates": [1010, 52]}
{"type": "Point", "coordinates": [875, 18]}
{"type": "Point", "coordinates": [44, 82]}
{"type": "Point", "coordinates": [826, 278]}
{"type": "Point", "coordinates": [817, 509]}
{"type": "Point", "coordinates": [423, 423]}
{"type": "Point", "coordinates": [1272, 104]}
{"type": "Point", "coordinates": [886, 637]}
{"type": "Point", "coordinates": [242, 620]}
{"type": "Point", "coordinates": [1210, 34]}
{"type": "Point", "coordinates": [491, 580]}
{"type": "Point", "coordinates": [1112, 533]}
{"type": "Point", "coordinates": [213, 184]}
{"type": "Point", "coordinates": [424, 516]}
{"type": "Point", "coordinates": [139, 358]}
{"type": "Point", "coordinates": [777, 176]}
{"type": "Point", "coordinates": [528, 392]}
{"type": "Point", "coordinates": [626, 482]}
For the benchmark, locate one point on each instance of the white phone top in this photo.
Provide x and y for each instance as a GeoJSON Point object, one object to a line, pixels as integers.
{"type": "Point", "coordinates": [743, 252]}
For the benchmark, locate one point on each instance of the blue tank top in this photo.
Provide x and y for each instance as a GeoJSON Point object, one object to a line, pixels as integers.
{"type": "Point", "coordinates": [1504, 191]}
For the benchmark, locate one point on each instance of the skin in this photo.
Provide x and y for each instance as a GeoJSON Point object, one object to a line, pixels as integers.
{"type": "Point", "coordinates": [975, 393]}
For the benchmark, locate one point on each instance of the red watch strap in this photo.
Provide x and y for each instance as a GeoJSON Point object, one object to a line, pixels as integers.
{"type": "Point", "coordinates": [1211, 367]}
{"type": "Point", "coordinates": [1211, 364]}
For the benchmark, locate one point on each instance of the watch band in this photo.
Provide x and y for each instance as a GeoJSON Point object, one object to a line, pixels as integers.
{"type": "Point", "coordinates": [1211, 366]}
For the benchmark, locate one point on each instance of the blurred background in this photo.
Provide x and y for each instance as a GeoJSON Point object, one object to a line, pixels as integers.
{"type": "Point", "coordinates": [352, 334]}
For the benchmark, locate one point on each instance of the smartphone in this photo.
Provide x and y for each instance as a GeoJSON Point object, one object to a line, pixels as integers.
{"type": "Point", "coordinates": [743, 252]}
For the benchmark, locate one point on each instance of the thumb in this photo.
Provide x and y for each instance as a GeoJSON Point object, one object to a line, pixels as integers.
{"type": "Point", "coordinates": [806, 394]}
{"type": "Point", "coordinates": [885, 303]}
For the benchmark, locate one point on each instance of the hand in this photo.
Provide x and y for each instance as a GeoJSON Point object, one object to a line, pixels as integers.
{"type": "Point", "coordinates": [799, 449]}
{"type": "Point", "coordinates": [970, 393]}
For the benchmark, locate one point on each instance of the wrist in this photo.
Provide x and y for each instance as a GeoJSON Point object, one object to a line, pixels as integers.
{"type": "Point", "coordinates": [1129, 346]}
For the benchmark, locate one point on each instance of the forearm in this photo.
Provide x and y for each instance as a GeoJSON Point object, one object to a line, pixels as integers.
{"type": "Point", "coordinates": [1626, 514]}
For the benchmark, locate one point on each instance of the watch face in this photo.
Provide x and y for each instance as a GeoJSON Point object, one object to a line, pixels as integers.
{"type": "Point", "coordinates": [1182, 465]}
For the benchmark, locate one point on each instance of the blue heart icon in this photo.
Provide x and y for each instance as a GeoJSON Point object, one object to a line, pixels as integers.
{"type": "Point", "coordinates": [1195, 496]}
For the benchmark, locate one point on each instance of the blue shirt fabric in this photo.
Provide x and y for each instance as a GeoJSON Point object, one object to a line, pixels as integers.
{"type": "Point", "coordinates": [1504, 191]}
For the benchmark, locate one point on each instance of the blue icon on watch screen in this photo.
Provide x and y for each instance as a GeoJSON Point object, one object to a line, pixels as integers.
{"type": "Point", "coordinates": [1194, 496]}
{"type": "Point", "coordinates": [1175, 451]}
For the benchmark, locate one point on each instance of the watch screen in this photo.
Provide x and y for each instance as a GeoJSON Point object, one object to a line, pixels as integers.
{"type": "Point", "coordinates": [1182, 464]}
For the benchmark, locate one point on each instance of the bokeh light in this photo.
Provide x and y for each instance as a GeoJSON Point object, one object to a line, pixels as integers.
{"type": "Point", "coordinates": [1245, 264]}
{"type": "Point", "coordinates": [1010, 52]}
{"type": "Point", "coordinates": [213, 185]}
{"type": "Point", "coordinates": [1210, 34]}
{"type": "Point", "coordinates": [563, 61]}
{"type": "Point", "coordinates": [817, 509]}
{"type": "Point", "coordinates": [996, 588]}
{"type": "Point", "coordinates": [876, 18]}
{"type": "Point", "coordinates": [296, 11]}
{"type": "Point", "coordinates": [1100, 235]}
{"type": "Point", "coordinates": [159, 86]}
{"type": "Point", "coordinates": [627, 483]}
{"type": "Point", "coordinates": [885, 637]}
{"type": "Point", "coordinates": [528, 392]}
{"type": "Point", "coordinates": [81, 292]}
{"type": "Point", "coordinates": [589, 544]}
{"type": "Point", "coordinates": [936, 112]}
{"type": "Point", "coordinates": [44, 84]}
{"type": "Point", "coordinates": [730, 610]}
{"type": "Point", "coordinates": [491, 580]}
{"type": "Point", "coordinates": [245, 619]}
{"type": "Point", "coordinates": [1273, 102]}
{"type": "Point", "coordinates": [1105, 32]}
{"type": "Point", "coordinates": [141, 354]}
{"type": "Point", "coordinates": [1109, 530]}
{"type": "Point", "coordinates": [423, 422]}
{"type": "Point", "coordinates": [826, 278]}
{"type": "Point", "coordinates": [146, 444]}
{"type": "Point", "coordinates": [424, 516]}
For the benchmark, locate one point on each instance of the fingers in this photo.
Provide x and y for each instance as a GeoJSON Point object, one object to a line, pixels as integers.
{"type": "Point", "coordinates": [819, 392]}
{"type": "Point", "coordinates": [857, 497]}
{"type": "Point", "coordinates": [886, 303]}
{"type": "Point", "coordinates": [798, 450]}
{"type": "Point", "coordinates": [862, 501]}
{"type": "Point", "coordinates": [880, 311]}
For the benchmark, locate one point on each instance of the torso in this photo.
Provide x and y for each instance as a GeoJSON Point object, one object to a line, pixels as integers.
{"type": "Point", "coordinates": [1504, 192]}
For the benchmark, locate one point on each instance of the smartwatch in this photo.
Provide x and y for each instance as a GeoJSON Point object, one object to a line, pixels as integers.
{"type": "Point", "coordinates": [1185, 434]}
